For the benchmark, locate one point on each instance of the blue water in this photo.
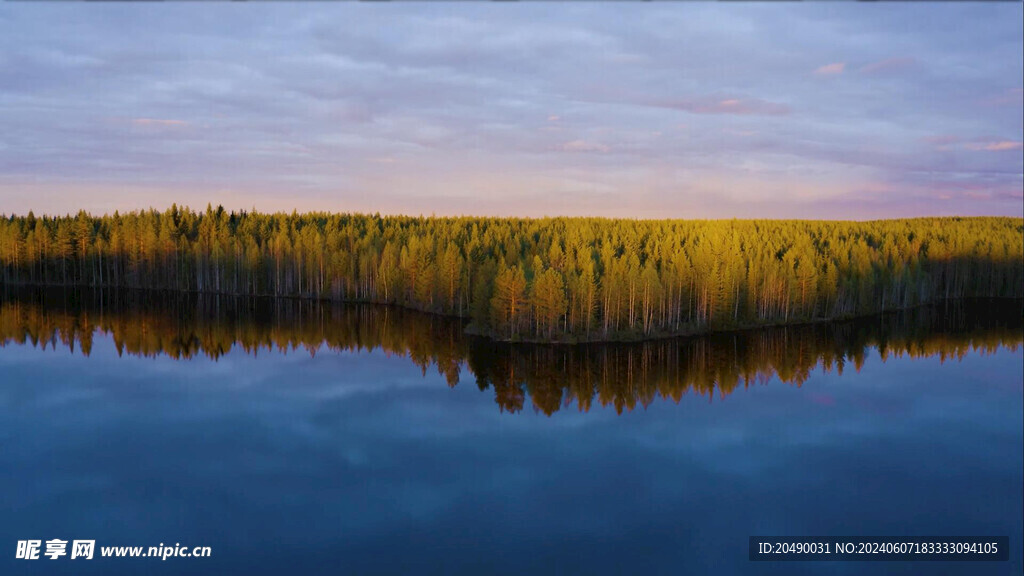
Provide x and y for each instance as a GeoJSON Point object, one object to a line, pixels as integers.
{"type": "Point", "coordinates": [351, 463]}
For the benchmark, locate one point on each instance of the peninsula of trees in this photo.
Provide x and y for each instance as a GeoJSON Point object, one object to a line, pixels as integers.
{"type": "Point", "coordinates": [551, 279]}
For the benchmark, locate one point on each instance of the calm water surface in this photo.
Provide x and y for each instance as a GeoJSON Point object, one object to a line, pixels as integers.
{"type": "Point", "coordinates": [307, 440]}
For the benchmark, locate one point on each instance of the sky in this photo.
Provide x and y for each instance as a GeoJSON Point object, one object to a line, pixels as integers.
{"type": "Point", "coordinates": [653, 110]}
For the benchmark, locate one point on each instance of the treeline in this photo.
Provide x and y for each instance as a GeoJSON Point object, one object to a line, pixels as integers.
{"type": "Point", "coordinates": [622, 376]}
{"type": "Point", "coordinates": [552, 279]}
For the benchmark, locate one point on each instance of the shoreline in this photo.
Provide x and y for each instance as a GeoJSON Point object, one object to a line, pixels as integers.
{"type": "Point", "coordinates": [469, 330]}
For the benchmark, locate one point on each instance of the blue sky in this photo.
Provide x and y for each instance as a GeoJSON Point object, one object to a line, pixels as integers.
{"type": "Point", "coordinates": [614, 109]}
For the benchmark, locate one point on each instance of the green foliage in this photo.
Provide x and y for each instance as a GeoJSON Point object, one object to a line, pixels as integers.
{"type": "Point", "coordinates": [534, 279]}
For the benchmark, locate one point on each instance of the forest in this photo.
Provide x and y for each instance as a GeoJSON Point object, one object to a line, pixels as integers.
{"type": "Point", "coordinates": [549, 279]}
{"type": "Point", "coordinates": [622, 376]}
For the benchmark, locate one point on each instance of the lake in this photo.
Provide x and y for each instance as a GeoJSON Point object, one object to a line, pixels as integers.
{"type": "Point", "coordinates": [302, 438]}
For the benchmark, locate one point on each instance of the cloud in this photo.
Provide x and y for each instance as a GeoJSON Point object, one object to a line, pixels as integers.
{"type": "Point", "coordinates": [569, 104]}
{"type": "Point", "coordinates": [998, 146]}
{"type": "Point", "coordinates": [1012, 97]}
{"type": "Point", "coordinates": [584, 146]}
{"type": "Point", "coordinates": [889, 65]}
{"type": "Point", "coordinates": [941, 139]}
{"type": "Point", "coordinates": [941, 142]}
{"type": "Point", "coordinates": [737, 106]}
{"type": "Point", "coordinates": [157, 122]}
{"type": "Point", "coordinates": [831, 69]}
{"type": "Point", "coordinates": [738, 132]}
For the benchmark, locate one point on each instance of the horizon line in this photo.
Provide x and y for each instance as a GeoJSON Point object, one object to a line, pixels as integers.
{"type": "Point", "coordinates": [434, 216]}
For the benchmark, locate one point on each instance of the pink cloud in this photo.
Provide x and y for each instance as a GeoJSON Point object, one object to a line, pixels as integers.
{"type": "Point", "coordinates": [946, 142]}
{"type": "Point", "coordinates": [972, 191]}
{"type": "Point", "coordinates": [831, 69]}
{"type": "Point", "coordinates": [889, 65]}
{"type": "Point", "coordinates": [584, 146]}
{"type": "Point", "coordinates": [738, 106]}
{"type": "Point", "coordinates": [998, 146]}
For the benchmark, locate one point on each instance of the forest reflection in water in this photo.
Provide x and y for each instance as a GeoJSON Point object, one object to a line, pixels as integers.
{"type": "Point", "coordinates": [623, 376]}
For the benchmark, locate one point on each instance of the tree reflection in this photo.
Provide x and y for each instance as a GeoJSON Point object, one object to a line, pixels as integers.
{"type": "Point", "coordinates": [623, 376]}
